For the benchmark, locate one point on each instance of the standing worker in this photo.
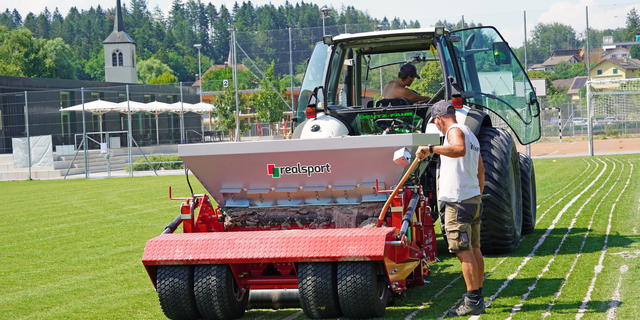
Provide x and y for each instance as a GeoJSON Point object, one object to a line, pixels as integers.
{"type": "Point", "coordinates": [459, 196]}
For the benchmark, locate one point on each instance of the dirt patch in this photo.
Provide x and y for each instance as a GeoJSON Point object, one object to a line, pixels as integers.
{"type": "Point", "coordinates": [578, 148]}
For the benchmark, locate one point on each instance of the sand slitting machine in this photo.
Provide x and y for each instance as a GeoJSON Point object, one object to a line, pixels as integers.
{"type": "Point", "coordinates": [294, 224]}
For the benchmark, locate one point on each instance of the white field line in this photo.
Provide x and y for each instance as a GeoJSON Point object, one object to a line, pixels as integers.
{"type": "Point", "coordinates": [460, 300]}
{"type": "Point", "coordinates": [615, 299]}
{"type": "Point", "coordinates": [413, 314]}
{"type": "Point", "coordinates": [584, 240]}
{"type": "Point", "coordinates": [543, 238]}
{"type": "Point", "coordinates": [568, 184]}
{"type": "Point", "coordinates": [599, 267]}
{"type": "Point", "coordinates": [518, 306]}
{"type": "Point", "coordinates": [570, 192]}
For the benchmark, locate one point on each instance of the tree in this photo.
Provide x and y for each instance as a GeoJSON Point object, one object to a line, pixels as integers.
{"type": "Point", "coordinates": [430, 79]}
{"type": "Point", "coordinates": [224, 107]}
{"type": "Point", "coordinates": [547, 37]}
{"type": "Point", "coordinates": [632, 25]}
{"type": "Point", "coordinates": [266, 102]}
{"type": "Point", "coordinates": [149, 69]}
{"type": "Point", "coordinates": [165, 78]}
{"type": "Point", "coordinates": [59, 59]}
{"type": "Point", "coordinates": [635, 52]}
{"type": "Point", "coordinates": [213, 80]}
{"type": "Point", "coordinates": [93, 68]}
{"type": "Point", "coordinates": [21, 55]}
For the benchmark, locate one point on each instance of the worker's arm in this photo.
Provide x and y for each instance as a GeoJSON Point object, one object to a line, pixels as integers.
{"type": "Point", "coordinates": [411, 96]}
{"type": "Point", "coordinates": [480, 174]}
{"type": "Point", "coordinates": [455, 149]}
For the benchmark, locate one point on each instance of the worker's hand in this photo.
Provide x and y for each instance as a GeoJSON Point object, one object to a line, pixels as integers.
{"type": "Point", "coordinates": [422, 152]}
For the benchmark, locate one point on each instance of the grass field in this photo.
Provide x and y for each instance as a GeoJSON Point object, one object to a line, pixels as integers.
{"type": "Point", "coordinates": [72, 249]}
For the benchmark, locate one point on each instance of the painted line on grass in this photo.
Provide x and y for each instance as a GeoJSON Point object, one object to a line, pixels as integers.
{"type": "Point", "coordinates": [599, 267]}
{"type": "Point", "coordinates": [568, 184]}
{"type": "Point", "coordinates": [615, 299]}
{"type": "Point", "coordinates": [544, 237]}
{"type": "Point", "coordinates": [518, 306]}
{"type": "Point", "coordinates": [570, 192]}
{"type": "Point", "coordinates": [295, 315]}
{"type": "Point", "coordinates": [584, 240]}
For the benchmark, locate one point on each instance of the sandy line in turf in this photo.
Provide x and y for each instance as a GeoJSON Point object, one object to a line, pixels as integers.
{"type": "Point", "coordinates": [295, 315]}
{"type": "Point", "coordinates": [570, 192]}
{"type": "Point", "coordinates": [580, 175]}
{"type": "Point", "coordinates": [599, 267]}
{"type": "Point", "coordinates": [413, 314]}
{"type": "Point", "coordinates": [584, 240]}
{"type": "Point", "coordinates": [543, 238]}
{"type": "Point", "coordinates": [615, 299]}
{"type": "Point", "coordinates": [459, 300]}
{"type": "Point", "coordinates": [518, 306]}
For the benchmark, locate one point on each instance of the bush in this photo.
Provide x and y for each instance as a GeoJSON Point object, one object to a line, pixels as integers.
{"type": "Point", "coordinates": [158, 162]}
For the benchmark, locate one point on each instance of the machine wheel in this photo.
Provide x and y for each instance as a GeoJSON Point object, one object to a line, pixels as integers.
{"type": "Point", "coordinates": [502, 197]}
{"type": "Point", "coordinates": [362, 289]}
{"type": "Point", "coordinates": [529, 203]}
{"type": "Point", "coordinates": [318, 291]}
{"type": "Point", "coordinates": [217, 293]}
{"type": "Point", "coordinates": [175, 292]}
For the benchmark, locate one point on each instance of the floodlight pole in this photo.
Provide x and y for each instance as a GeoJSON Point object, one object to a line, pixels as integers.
{"type": "Point", "coordinates": [325, 12]}
{"type": "Point", "coordinates": [235, 81]}
{"type": "Point", "coordinates": [589, 123]}
{"type": "Point", "coordinates": [198, 46]}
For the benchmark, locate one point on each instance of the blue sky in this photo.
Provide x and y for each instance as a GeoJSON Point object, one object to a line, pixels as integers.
{"type": "Point", "coordinates": [507, 16]}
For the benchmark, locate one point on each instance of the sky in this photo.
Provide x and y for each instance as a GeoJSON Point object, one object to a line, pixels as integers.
{"type": "Point", "coordinates": [506, 15]}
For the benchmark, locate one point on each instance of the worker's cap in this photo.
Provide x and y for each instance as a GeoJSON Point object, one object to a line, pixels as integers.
{"type": "Point", "coordinates": [442, 108]}
{"type": "Point", "coordinates": [410, 71]}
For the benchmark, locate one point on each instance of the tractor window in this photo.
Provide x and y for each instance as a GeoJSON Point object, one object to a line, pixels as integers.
{"type": "Point", "coordinates": [490, 69]}
{"type": "Point", "coordinates": [313, 77]}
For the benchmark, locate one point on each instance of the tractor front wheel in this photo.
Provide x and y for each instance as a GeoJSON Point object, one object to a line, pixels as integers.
{"type": "Point", "coordinates": [175, 292]}
{"type": "Point", "coordinates": [362, 289]}
{"type": "Point", "coordinates": [318, 291]}
{"type": "Point", "coordinates": [217, 293]}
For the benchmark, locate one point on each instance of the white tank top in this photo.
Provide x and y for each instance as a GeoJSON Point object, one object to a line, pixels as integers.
{"type": "Point", "coordinates": [459, 176]}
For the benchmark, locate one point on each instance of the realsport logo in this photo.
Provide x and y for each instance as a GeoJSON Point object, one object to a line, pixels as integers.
{"type": "Point", "coordinates": [277, 172]}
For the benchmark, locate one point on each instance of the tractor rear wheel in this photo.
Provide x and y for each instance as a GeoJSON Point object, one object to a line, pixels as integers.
{"type": "Point", "coordinates": [362, 289]}
{"type": "Point", "coordinates": [175, 292]}
{"type": "Point", "coordinates": [217, 293]}
{"type": "Point", "coordinates": [318, 291]}
{"type": "Point", "coordinates": [502, 196]}
{"type": "Point", "coordinates": [529, 203]}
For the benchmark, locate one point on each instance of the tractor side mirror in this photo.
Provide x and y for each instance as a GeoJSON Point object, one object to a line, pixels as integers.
{"type": "Point", "coordinates": [501, 54]}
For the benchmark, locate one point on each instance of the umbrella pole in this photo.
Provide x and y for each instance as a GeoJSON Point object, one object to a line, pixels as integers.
{"type": "Point", "coordinates": [100, 116]}
{"type": "Point", "coordinates": [157, 130]}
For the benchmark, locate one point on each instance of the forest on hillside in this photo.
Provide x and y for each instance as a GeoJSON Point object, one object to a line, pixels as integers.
{"type": "Point", "coordinates": [50, 45]}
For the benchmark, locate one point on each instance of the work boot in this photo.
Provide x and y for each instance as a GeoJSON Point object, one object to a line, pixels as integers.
{"type": "Point", "coordinates": [468, 307]}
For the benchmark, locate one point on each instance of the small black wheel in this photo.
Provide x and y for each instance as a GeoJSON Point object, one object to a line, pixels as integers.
{"type": "Point", "coordinates": [175, 292]}
{"type": "Point", "coordinates": [362, 289]}
{"type": "Point", "coordinates": [529, 203]}
{"type": "Point", "coordinates": [317, 285]}
{"type": "Point", "coordinates": [217, 293]}
{"type": "Point", "coordinates": [502, 197]}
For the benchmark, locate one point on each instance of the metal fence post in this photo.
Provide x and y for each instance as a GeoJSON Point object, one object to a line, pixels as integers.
{"type": "Point", "coordinates": [291, 72]}
{"type": "Point", "coordinates": [84, 137]}
{"type": "Point", "coordinates": [26, 120]}
{"type": "Point", "coordinates": [181, 115]}
{"type": "Point", "coordinates": [129, 137]}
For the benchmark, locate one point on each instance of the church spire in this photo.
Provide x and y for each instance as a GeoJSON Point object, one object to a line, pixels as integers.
{"type": "Point", "coordinates": [118, 25]}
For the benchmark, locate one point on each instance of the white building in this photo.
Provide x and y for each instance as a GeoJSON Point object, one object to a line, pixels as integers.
{"type": "Point", "coordinates": [119, 53]}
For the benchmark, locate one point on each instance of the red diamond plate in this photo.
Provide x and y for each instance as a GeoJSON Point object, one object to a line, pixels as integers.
{"type": "Point", "coordinates": [267, 246]}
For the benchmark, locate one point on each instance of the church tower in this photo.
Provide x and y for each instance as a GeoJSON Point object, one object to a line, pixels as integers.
{"type": "Point", "coordinates": [119, 53]}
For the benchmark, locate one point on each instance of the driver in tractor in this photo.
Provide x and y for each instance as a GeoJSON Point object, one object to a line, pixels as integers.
{"type": "Point", "coordinates": [398, 88]}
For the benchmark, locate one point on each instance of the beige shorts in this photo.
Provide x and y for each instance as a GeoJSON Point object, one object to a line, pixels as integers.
{"type": "Point", "coordinates": [462, 223]}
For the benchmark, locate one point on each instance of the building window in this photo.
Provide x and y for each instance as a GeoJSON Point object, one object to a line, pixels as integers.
{"type": "Point", "coordinates": [599, 72]}
{"type": "Point", "coordinates": [147, 98]}
{"type": "Point", "coordinates": [122, 97]}
{"type": "Point", "coordinates": [615, 71]}
{"type": "Point", "coordinates": [114, 60]}
{"type": "Point", "coordinates": [65, 99]}
{"type": "Point", "coordinates": [120, 59]}
{"type": "Point", "coordinates": [95, 96]}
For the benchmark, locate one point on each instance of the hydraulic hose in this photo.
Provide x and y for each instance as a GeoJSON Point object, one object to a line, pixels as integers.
{"type": "Point", "coordinates": [395, 192]}
{"type": "Point", "coordinates": [408, 216]}
{"type": "Point", "coordinates": [171, 227]}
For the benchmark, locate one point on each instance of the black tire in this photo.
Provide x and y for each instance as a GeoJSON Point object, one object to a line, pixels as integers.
{"type": "Point", "coordinates": [528, 178]}
{"type": "Point", "coordinates": [175, 292]}
{"type": "Point", "coordinates": [362, 289]}
{"type": "Point", "coordinates": [217, 293]}
{"type": "Point", "coordinates": [317, 285]}
{"type": "Point", "coordinates": [502, 196]}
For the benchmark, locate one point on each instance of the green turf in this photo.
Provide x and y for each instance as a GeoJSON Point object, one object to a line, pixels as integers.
{"type": "Point", "coordinates": [72, 249]}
